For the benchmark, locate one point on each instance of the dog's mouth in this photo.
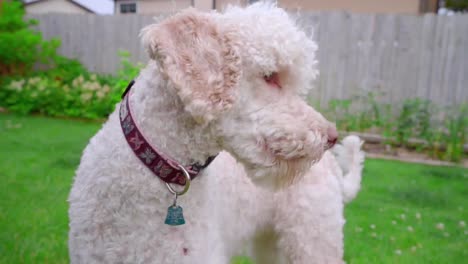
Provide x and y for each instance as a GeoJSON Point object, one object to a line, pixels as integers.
{"type": "Point", "coordinates": [279, 167]}
{"type": "Point", "coordinates": [273, 155]}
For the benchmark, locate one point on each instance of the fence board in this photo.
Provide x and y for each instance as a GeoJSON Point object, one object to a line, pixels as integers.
{"type": "Point", "coordinates": [401, 56]}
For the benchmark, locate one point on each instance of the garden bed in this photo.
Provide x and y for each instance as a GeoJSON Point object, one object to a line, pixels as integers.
{"type": "Point", "coordinates": [375, 147]}
{"type": "Point", "coordinates": [403, 154]}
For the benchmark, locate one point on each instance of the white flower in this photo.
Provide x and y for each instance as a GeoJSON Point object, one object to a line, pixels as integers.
{"type": "Point", "coordinates": [106, 88]}
{"type": "Point", "coordinates": [394, 222]}
{"type": "Point", "coordinates": [91, 86]}
{"type": "Point", "coordinates": [440, 226]}
{"type": "Point", "coordinates": [34, 80]}
{"type": "Point", "coordinates": [96, 86]}
{"type": "Point", "coordinates": [11, 125]}
{"type": "Point", "coordinates": [85, 97]}
{"type": "Point", "coordinates": [413, 249]}
{"type": "Point", "coordinates": [418, 216]}
{"type": "Point", "coordinates": [372, 226]}
{"type": "Point", "coordinates": [403, 216]}
{"type": "Point", "coordinates": [398, 252]}
{"type": "Point", "coordinates": [16, 85]}
{"type": "Point", "coordinates": [41, 87]}
{"type": "Point", "coordinates": [461, 224]}
{"type": "Point", "coordinates": [410, 228]}
{"type": "Point", "coordinates": [100, 94]}
{"type": "Point", "coordinates": [373, 234]}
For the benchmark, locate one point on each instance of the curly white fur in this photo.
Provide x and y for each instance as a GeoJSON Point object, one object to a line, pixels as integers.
{"type": "Point", "coordinates": [309, 215]}
{"type": "Point", "coordinates": [205, 92]}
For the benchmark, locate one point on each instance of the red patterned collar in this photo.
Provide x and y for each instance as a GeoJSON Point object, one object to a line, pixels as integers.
{"type": "Point", "coordinates": [166, 169]}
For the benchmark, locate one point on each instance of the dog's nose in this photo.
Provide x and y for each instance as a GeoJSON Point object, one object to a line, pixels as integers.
{"type": "Point", "coordinates": [332, 136]}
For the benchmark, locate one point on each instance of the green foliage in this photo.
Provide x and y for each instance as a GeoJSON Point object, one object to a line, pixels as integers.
{"type": "Point", "coordinates": [457, 127]}
{"type": "Point", "coordinates": [443, 129]}
{"type": "Point", "coordinates": [457, 5]}
{"type": "Point", "coordinates": [69, 90]}
{"type": "Point", "coordinates": [66, 70]}
{"type": "Point", "coordinates": [241, 260]}
{"type": "Point", "coordinates": [414, 120]}
{"type": "Point", "coordinates": [22, 48]}
{"type": "Point", "coordinates": [83, 98]}
{"type": "Point", "coordinates": [358, 113]}
{"type": "Point", "coordinates": [127, 72]}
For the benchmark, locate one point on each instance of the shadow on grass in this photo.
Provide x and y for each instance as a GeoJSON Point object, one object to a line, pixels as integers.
{"type": "Point", "coordinates": [420, 197]}
{"type": "Point", "coordinates": [445, 173]}
{"type": "Point", "coordinates": [69, 161]}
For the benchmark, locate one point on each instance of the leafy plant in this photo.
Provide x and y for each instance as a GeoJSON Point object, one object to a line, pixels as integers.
{"type": "Point", "coordinates": [69, 90]}
{"type": "Point", "coordinates": [86, 98]}
{"type": "Point", "coordinates": [457, 5]}
{"type": "Point", "coordinates": [127, 72]}
{"type": "Point", "coordinates": [360, 113]}
{"type": "Point", "coordinates": [443, 129]}
{"type": "Point", "coordinates": [457, 127]}
{"type": "Point", "coordinates": [21, 48]}
{"type": "Point", "coordinates": [414, 121]}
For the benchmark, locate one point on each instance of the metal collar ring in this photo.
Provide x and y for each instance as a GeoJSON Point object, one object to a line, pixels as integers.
{"type": "Point", "coordinates": [186, 186]}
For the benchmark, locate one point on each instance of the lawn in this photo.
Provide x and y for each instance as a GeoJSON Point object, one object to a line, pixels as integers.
{"type": "Point", "coordinates": [405, 213]}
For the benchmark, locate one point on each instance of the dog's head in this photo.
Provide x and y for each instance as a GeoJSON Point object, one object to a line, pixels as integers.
{"type": "Point", "coordinates": [243, 73]}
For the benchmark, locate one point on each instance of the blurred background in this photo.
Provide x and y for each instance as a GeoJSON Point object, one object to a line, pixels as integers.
{"type": "Point", "coordinates": [394, 72]}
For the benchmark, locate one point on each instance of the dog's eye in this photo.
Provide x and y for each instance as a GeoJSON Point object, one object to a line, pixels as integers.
{"type": "Point", "coordinates": [272, 79]}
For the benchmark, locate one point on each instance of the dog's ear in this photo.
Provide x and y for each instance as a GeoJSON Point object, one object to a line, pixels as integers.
{"type": "Point", "coordinates": [200, 57]}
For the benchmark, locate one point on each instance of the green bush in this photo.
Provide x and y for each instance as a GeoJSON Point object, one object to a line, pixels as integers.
{"type": "Point", "coordinates": [69, 90]}
{"type": "Point", "coordinates": [21, 48]}
{"type": "Point", "coordinates": [457, 5]}
{"type": "Point", "coordinates": [87, 98]}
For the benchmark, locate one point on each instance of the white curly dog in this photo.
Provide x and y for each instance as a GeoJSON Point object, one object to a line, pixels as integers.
{"type": "Point", "coordinates": [230, 81]}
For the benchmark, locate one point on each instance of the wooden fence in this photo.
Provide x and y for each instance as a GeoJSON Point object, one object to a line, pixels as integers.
{"type": "Point", "coordinates": [402, 56]}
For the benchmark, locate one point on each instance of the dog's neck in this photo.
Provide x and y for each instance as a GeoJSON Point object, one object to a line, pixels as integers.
{"type": "Point", "coordinates": [160, 115]}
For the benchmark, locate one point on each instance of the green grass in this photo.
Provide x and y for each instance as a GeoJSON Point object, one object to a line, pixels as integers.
{"type": "Point", "coordinates": [38, 157]}
{"type": "Point", "coordinates": [399, 213]}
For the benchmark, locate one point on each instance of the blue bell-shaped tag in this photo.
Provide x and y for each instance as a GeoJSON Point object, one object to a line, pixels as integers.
{"type": "Point", "coordinates": [174, 216]}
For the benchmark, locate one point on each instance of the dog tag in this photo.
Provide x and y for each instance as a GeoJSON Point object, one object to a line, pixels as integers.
{"type": "Point", "coordinates": [175, 215]}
